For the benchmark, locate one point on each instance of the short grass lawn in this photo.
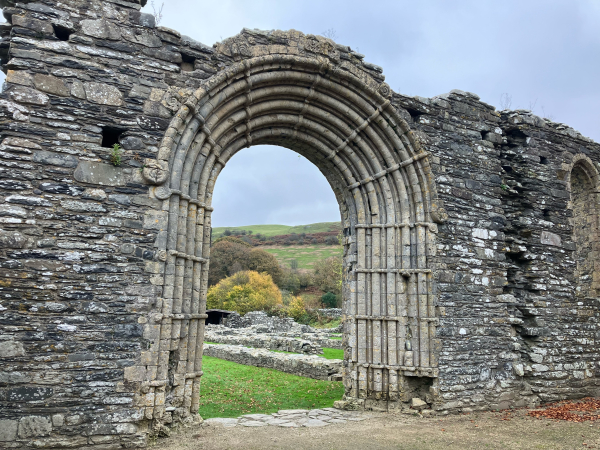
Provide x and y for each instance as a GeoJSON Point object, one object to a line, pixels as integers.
{"type": "Point", "coordinates": [332, 353]}
{"type": "Point", "coordinates": [306, 255]}
{"type": "Point", "coordinates": [230, 390]}
{"type": "Point", "coordinates": [328, 353]}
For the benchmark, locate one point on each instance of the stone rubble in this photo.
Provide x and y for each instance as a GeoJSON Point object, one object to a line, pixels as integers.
{"type": "Point", "coordinates": [258, 323]}
{"type": "Point", "coordinates": [244, 336]}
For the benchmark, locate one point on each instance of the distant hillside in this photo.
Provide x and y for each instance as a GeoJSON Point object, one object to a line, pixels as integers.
{"type": "Point", "coordinates": [279, 230]}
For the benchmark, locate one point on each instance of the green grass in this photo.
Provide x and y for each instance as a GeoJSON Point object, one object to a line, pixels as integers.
{"type": "Point", "coordinates": [306, 255]}
{"type": "Point", "coordinates": [230, 390]}
{"type": "Point", "coordinates": [331, 324]}
{"type": "Point", "coordinates": [332, 353]}
{"type": "Point", "coordinates": [276, 230]}
{"type": "Point", "coordinates": [328, 353]}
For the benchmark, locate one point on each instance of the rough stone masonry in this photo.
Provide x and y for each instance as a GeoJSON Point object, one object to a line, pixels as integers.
{"type": "Point", "coordinates": [471, 235]}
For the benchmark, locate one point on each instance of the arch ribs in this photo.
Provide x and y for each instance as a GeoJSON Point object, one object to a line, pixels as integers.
{"type": "Point", "coordinates": [382, 179]}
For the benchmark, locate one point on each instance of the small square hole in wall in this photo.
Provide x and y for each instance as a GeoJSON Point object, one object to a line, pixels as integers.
{"type": "Point", "coordinates": [187, 64]}
{"type": "Point", "coordinates": [61, 33]}
{"type": "Point", "coordinates": [543, 160]}
{"type": "Point", "coordinates": [110, 136]}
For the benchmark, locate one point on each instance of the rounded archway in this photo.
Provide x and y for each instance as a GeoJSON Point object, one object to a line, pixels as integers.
{"type": "Point", "coordinates": [382, 181]}
{"type": "Point", "coordinates": [583, 183]}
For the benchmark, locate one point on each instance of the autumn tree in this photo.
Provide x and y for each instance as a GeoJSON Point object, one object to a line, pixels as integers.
{"type": "Point", "coordinates": [230, 255]}
{"type": "Point", "coordinates": [245, 291]}
{"type": "Point", "coordinates": [328, 275]}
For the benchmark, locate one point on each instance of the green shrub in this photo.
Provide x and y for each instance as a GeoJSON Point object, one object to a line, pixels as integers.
{"type": "Point", "coordinates": [329, 300]}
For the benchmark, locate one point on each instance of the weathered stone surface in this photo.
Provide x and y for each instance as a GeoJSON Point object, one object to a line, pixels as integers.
{"type": "Point", "coordinates": [131, 143]}
{"type": "Point", "coordinates": [73, 205]}
{"type": "Point", "coordinates": [42, 27]}
{"type": "Point", "coordinates": [51, 85]}
{"type": "Point", "coordinates": [78, 89]}
{"type": "Point", "coordinates": [55, 159]}
{"type": "Point", "coordinates": [550, 239]}
{"type": "Point", "coordinates": [99, 174]}
{"type": "Point", "coordinates": [100, 28]}
{"type": "Point", "coordinates": [12, 239]}
{"type": "Point", "coordinates": [8, 430]}
{"type": "Point", "coordinates": [11, 348]}
{"type": "Point", "coordinates": [34, 426]}
{"type": "Point", "coordinates": [417, 403]}
{"type": "Point", "coordinates": [28, 96]}
{"type": "Point", "coordinates": [103, 94]}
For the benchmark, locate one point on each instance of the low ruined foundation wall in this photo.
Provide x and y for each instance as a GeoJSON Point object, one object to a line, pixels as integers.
{"type": "Point", "coordinates": [302, 365]}
{"type": "Point", "coordinates": [285, 344]}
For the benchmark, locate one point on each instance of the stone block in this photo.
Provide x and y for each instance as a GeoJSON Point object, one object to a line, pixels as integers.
{"type": "Point", "coordinates": [132, 143]}
{"type": "Point", "coordinates": [99, 173]}
{"type": "Point", "coordinates": [101, 29]}
{"type": "Point", "coordinates": [549, 238]}
{"type": "Point", "coordinates": [55, 159]}
{"type": "Point", "coordinates": [10, 349]}
{"type": "Point", "coordinates": [103, 94]}
{"type": "Point", "coordinates": [94, 194]}
{"type": "Point", "coordinates": [58, 420]}
{"type": "Point", "coordinates": [51, 85]}
{"type": "Point", "coordinates": [21, 77]}
{"type": "Point", "coordinates": [13, 211]}
{"type": "Point", "coordinates": [78, 89]}
{"type": "Point", "coordinates": [135, 373]}
{"type": "Point", "coordinates": [28, 96]}
{"type": "Point", "coordinates": [8, 430]}
{"type": "Point", "coordinates": [34, 426]}
{"type": "Point", "coordinates": [42, 27]}
{"type": "Point", "coordinates": [74, 205]}
{"type": "Point", "coordinates": [156, 220]}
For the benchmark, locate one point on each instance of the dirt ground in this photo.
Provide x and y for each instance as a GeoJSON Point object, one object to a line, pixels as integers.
{"type": "Point", "coordinates": [388, 431]}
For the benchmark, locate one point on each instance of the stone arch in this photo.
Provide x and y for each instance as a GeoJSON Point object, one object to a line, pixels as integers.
{"type": "Point", "coordinates": [383, 182]}
{"type": "Point", "coordinates": [583, 183]}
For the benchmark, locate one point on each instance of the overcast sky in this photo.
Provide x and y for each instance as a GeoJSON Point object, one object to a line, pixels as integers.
{"type": "Point", "coordinates": [545, 54]}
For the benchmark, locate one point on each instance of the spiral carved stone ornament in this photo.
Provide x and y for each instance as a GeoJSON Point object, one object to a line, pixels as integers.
{"type": "Point", "coordinates": [385, 90]}
{"type": "Point", "coordinates": [155, 172]}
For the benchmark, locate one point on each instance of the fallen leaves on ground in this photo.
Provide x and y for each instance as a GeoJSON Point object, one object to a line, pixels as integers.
{"type": "Point", "coordinates": [570, 410]}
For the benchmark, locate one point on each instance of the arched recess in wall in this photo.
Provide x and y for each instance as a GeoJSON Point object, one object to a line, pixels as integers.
{"type": "Point", "coordinates": [584, 182]}
{"type": "Point", "coordinates": [388, 202]}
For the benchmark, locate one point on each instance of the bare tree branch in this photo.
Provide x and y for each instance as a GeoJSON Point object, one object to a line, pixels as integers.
{"type": "Point", "coordinates": [330, 34]}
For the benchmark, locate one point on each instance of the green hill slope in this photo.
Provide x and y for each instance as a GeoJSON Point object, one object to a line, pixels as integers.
{"type": "Point", "coordinates": [276, 230]}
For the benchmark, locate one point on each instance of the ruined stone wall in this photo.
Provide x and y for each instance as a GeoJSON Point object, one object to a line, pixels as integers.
{"type": "Point", "coordinates": [301, 364]}
{"type": "Point", "coordinates": [516, 328]}
{"type": "Point", "coordinates": [81, 259]}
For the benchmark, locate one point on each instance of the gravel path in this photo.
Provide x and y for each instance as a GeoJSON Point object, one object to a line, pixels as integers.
{"type": "Point", "coordinates": [388, 431]}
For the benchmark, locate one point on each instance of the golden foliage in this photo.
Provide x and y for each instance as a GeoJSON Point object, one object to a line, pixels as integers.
{"type": "Point", "coordinates": [296, 309]}
{"type": "Point", "coordinates": [245, 291]}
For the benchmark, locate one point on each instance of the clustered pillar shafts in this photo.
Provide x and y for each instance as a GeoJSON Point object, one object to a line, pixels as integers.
{"type": "Point", "coordinates": [380, 175]}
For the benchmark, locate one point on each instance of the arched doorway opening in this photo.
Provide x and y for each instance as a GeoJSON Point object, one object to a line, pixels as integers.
{"type": "Point", "coordinates": [584, 203]}
{"type": "Point", "coordinates": [384, 187]}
